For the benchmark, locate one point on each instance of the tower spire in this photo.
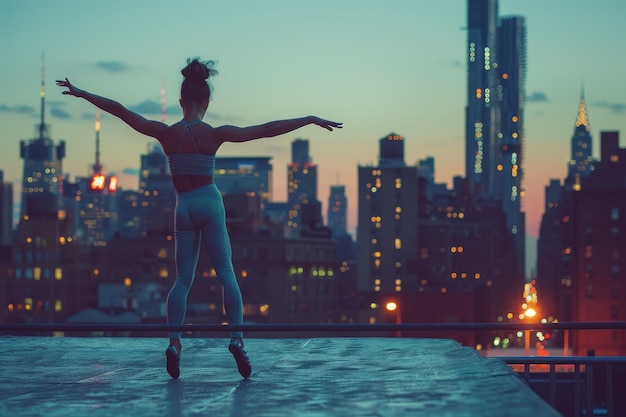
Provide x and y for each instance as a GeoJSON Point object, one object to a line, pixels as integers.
{"type": "Point", "coordinates": [42, 93]}
{"type": "Point", "coordinates": [581, 117]}
{"type": "Point", "coordinates": [97, 167]}
{"type": "Point", "coordinates": [163, 97]}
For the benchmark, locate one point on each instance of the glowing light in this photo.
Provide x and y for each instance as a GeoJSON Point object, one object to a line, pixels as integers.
{"type": "Point", "coordinates": [97, 182]}
{"type": "Point", "coordinates": [391, 306]}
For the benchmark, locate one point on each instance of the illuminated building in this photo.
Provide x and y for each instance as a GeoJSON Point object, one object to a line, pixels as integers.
{"type": "Point", "coordinates": [43, 167]}
{"type": "Point", "coordinates": [494, 146]}
{"type": "Point", "coordinates": [482, 105]}
{"type": "Point", "coordinates": [96, 202]}
{"type": "Point", "coordinates": [244, 174]}
{"type": "Point", "coordinates": [508, 170]}
{"type": "Point", "coordinates": [157, 197]}
{"type": "Point", "coordinates": [301, 184]}
{"type": "Point", "coordinates": [581, 161]}
{"type": "Point", "coordinates": [387, 219]}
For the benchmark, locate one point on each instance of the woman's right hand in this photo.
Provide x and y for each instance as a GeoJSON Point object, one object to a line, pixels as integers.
{"type": "Point", "coordinates": [71, 90]}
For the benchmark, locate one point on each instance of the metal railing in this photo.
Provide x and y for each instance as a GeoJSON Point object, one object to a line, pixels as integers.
{"type": "Point", "coordinates": [580, 364]}
{"type": "Point", "coordinates": [408, 327]}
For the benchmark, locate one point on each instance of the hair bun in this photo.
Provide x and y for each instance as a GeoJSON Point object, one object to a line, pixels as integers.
{"type": "Point", "coordinates": [197, 70]}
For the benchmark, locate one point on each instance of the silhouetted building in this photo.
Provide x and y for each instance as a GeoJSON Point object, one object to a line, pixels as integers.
{"type": "Point", "coordinates": [580, 247]}
{"type": "Point", "coordinates": [599, 221]}
{"type": "Point", "coordinates": [337, 210]}
{"type": "Point", "coordinates": [43, 160]}
{"type": "Point", "coordinates": [6, 212]}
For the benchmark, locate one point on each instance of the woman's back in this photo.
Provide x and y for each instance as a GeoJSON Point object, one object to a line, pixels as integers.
{"type": "Point", "coordinates": [190, 148]}
{"type": "Point", "coordinates": [197, 137]}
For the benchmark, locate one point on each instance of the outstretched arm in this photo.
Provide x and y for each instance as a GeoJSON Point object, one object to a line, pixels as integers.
{"type": "Point", "coordinates": [134, 120]}
{"type": "Point", "coordinates": [280, 127]}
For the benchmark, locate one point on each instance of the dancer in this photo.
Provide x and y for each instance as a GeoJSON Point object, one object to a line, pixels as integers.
{"type": "Point", "coordinates": [190, 146]}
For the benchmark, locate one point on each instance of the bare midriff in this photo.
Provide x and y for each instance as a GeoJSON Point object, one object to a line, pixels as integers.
{"type": "Point", "coordinates": [185, 182]}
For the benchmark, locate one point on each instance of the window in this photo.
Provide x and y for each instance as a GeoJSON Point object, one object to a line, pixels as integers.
{"type": "Point", "coordinates": [614, 213]}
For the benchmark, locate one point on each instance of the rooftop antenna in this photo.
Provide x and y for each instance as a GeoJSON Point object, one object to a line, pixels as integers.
{"type": "Point", "coordinates": [163, 96]}
{"type": "Point", "coordinates": [97, 167]}
{"type": "Point", "coordinates": [42, 94]}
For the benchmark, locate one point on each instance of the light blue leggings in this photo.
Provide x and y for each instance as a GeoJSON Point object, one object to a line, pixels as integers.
{"type": "Point", "coordinates": [200, 218]}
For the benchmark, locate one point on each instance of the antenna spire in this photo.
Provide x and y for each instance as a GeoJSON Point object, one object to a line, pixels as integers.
{"type": "Point", "coordinates": [97, 167]}
{"type": "Point", "coordinates": [163, 97]}
{"type": "Point", "coordinates": [42, 94]}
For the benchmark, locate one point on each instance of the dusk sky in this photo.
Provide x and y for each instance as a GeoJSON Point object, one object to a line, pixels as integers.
{"type": "Point", "coordinates": [378, 67]}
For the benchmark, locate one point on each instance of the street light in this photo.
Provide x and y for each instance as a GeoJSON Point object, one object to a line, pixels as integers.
{"type": "Point", "coordinates": [392, 306]}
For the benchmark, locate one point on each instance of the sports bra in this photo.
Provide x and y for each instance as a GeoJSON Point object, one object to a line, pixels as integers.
{"type": "Point", "coordinates": [191, 163]}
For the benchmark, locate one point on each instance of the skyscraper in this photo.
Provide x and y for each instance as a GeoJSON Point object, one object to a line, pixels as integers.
{"type": "Point", "coordinates": [387, 219]}
{"type": "Point", "coordinates": [580, 164]}
{"type": "Point", "coordinates": [509, 173]}
{"type": "Point", "coordinates": [337, 210]}
{"type": "Point", "coordinates": [43, 167]}
{"type": "Point", "coordinates": [496, 62]}
{"type": "Point", "coordinates": [301, 183]}
{"type": "Point", "coordinates": [482, 114]}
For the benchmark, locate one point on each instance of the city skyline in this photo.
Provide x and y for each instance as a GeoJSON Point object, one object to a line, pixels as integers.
{"type": "Point", "coordinates": [369, 68]}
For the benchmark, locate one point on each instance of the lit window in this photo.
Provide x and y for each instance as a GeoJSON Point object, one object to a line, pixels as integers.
{"type": "Point", "coordinates": [58, 274]}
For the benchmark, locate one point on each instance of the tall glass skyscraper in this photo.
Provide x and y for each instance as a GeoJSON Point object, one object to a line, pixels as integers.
{"type": "Point", "coordinates": [482, 113]}
{"type": "Point", "coordinates": [496, 58]}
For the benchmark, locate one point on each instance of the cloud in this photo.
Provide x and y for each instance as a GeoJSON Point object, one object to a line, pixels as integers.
{"type": "Point", "coordinates": [130, 171]}
{"type": "Point", "coordinates": [16, 109]}
{"type": "Point", "coordinates": [59, 113]}
{"type": "Point", "coordinates": [153, 107]}
{"type": "Point", "coordinates": [614, 107]}
{"type": "Point", "coordinates": [113, 66]}
{"type": "Point", "coordinates": [537, 97]}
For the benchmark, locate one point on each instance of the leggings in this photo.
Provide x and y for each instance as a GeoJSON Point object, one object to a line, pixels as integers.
{"type": "Point", "coordinates": [200, 218]}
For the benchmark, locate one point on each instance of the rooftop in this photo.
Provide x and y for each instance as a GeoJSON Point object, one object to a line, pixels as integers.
{"type": "Point", "coordinates": [75, 376]}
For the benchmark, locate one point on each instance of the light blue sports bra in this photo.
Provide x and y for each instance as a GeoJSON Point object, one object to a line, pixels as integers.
{"type": "Point", "coordinates": [191, 163]}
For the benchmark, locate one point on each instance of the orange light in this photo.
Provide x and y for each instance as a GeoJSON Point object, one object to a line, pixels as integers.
{"type": "Point", "coordinates": [112, 184]}
{"type": "Point", "coordinates": [391, 306]}
{"type": "Point", "coordinates": [97, 182]}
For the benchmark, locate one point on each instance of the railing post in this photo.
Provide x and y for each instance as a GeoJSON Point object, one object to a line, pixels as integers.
{"type": "Point", "coordinates": [553, 384]}
{"type": "Point", "coordinates": [589, 372]}
{"type": "Point", "coordinates": [577, 379]}
{"type": "Point", "coordinates": [609, 389]}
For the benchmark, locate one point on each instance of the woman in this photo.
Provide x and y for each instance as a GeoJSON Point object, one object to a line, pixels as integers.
{"type": "Point", "coordinates": [190, 146]}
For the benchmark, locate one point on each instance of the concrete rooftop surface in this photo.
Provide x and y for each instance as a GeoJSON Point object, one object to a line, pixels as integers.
{"type": "Point", "coordinates": [73, 376]}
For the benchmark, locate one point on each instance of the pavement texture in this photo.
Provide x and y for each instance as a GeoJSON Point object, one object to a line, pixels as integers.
{"type": "Point", "coordinates": [73, 376]}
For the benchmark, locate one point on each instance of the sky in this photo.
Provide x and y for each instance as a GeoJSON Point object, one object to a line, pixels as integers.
{"type": "Point", "coordinates": [378, 67]}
